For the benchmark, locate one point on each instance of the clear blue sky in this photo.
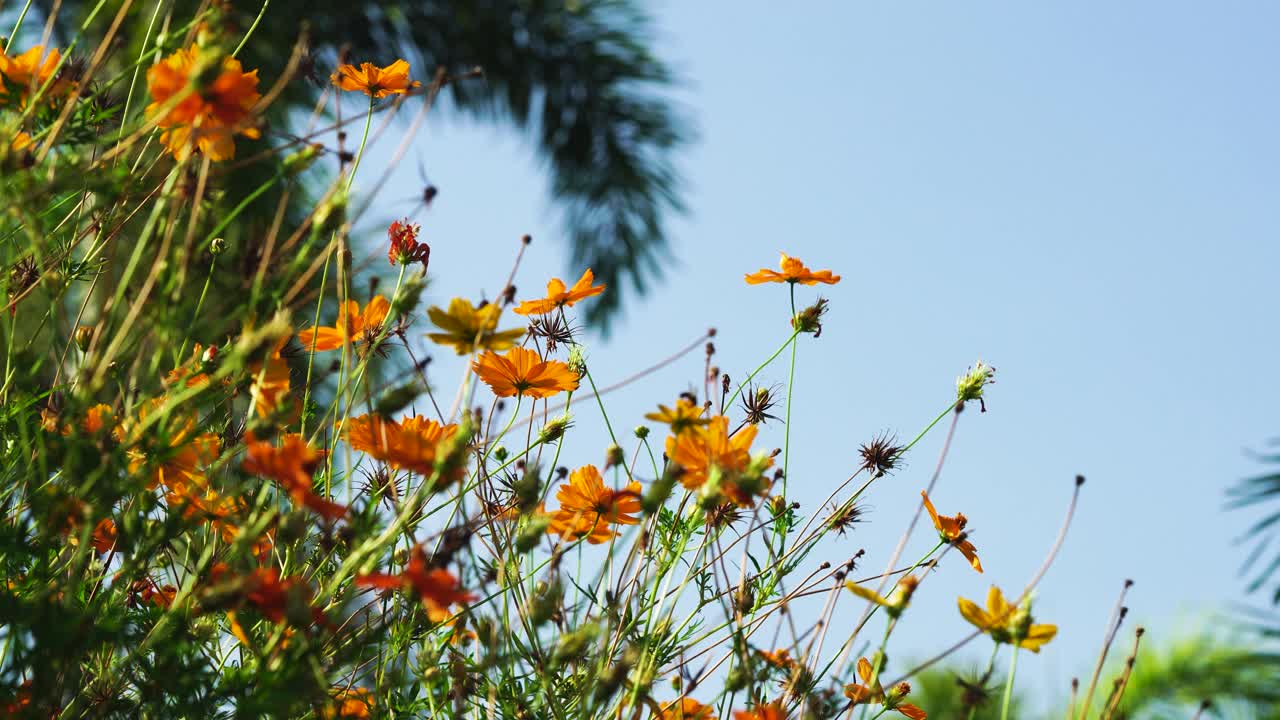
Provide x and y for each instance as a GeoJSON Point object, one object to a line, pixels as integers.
{"type": "Point", "coordinates": [1082, 194]}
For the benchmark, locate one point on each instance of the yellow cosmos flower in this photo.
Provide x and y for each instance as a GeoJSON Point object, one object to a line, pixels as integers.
{"type": "Point", "coordinates": [468, 328]}
{"type": "Point", "coordinates": [375, 81]}
{"type": "Point", "coordinates": [684, 416]}
{"type": "Point", "coordinates": [523, 372]}
{"type": "Point", "coordinates": [897, 600]}
{"type": "Point", "coordinates": [793, 271]}
{"type": "Point", "coordinates": [1006, 623]}
{"type": "Point", "coordinates": [559, 296]}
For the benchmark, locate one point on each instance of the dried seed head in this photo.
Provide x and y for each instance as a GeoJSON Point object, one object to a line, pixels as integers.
{"type": "Point", "coordinates": [843, 518]}
{"type": "Point", "coordinates": [881, 454]}
{"type": "Point", "coordinates": [553, 329]}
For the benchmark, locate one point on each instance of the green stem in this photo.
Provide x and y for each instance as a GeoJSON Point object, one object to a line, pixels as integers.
{"type": "Point", "coordinates": [763, 365]}
{"type": "Point", "coordinates": [199, 304]}
{"type": "Point", "coordinates": [364, 139]}
{"type": "Point", "coordinates": [1008, 685]}
{"type": "Point", "coordinates": [786, 432]}
{"type": "Point", "coordinates": [14, 33]}
{"type": "Point", "coordinates": [252, 27]}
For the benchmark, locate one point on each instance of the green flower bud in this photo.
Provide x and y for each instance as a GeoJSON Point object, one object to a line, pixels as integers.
{"type": "Point", "coordinates": [297, 162]}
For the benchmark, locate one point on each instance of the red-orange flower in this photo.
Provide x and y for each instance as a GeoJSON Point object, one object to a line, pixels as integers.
{"type": "Point", "coordinates": [771, 711]}
{"type": "Point", "coordinates": [104, 536]}
{"type": "Point", "coordinates": [588, 508]}
{"type": "Point", "coordinates": [375, 81]}
{"type": "Point", "coordinates": [266, 591]}
{"type": "Point", "coordinates": [291, 465]}
{"type": "Point", "coordinates": [206, 117]}
{"type": "Point", "coordinates": [436, 588]}
{"type": "Point", "coordinates": [412, 444]}
{"type": "Point", "coordinates": [559, 296]}
{"type": "Point", "coordinates": [872, 692]}
{"type": "Point", "coordinates": [353, 326]}
{"type": "Point", "coordinates": [522, 372]}
{"type": "Point", "coordinates": [702, 450]}
{"type": "Point", "coordinates": [404, 247]}
{"type": "Point", "coordinates": [951, 530]}
{"type": "Point", "coordinates": [793, 271]}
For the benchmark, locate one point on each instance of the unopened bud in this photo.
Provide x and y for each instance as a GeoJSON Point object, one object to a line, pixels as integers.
{"type": "Point", "coordinates": [84, 336]}
{"type": "Point", "coordinates": [613, 455]}
{"type": "Point", "coordinates": [217, 246]}
{"type": "Point", "coordinates": [296, 163]}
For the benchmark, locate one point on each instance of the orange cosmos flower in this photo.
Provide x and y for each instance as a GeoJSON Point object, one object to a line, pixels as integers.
{"type": "Point", "coordinates": [181, 461]}
{"type": "Point", "coordinates": [1006, 623]}
{"type": "Point", "coordinates": [558, 296]}
{"type": "Point", "coordinates": [872, 692]}
{"type": "Point", "coordinates": [777, 658]}
{"type": "Point", "coordinates": [20, 142]}
{"type": "Point", "coordinates": [192, 373]}
{"type": "Point", "coordinates": [375, 81]}
{"type": "Point", "coordinates": [467, 328]}
{"type": "Point", "coordinates": [349, 703]}
{"type": "Point", "coordinates": [412, 444]}
{"type": "Point", "coordinates": [271, 383]}
{"type": "Point", "coordinates": [104, 536]}
{"type": "Point", "coordinates": [353, 326]}
{"type": "Point", "coordinates": [437, 588]}
{"type": "Point", "coordinates": [204, 118]}
{"type": "Point", "coordinates": [772, 711]}
{"type": "Point", "coordinates": [148, 592]}
{"type": "Point", "coordinates": [291, 466]}
{"type": "Point", "coordinates": [686, 708]}
{"type": "Point", "coordinates": [951, 530]}
{"type": "Point", "coordinates": [684, 416]}
{"type": "Point", "coordinates": [703, 449]}
{"type": "Point", "coordinates": [588, 508]}
{"type": "Point", "coordinates": [31, 67]}
{"type": "Point", "coordinates": [522, 372]}
{"type": "Point", "coordinates": [793, 271]}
